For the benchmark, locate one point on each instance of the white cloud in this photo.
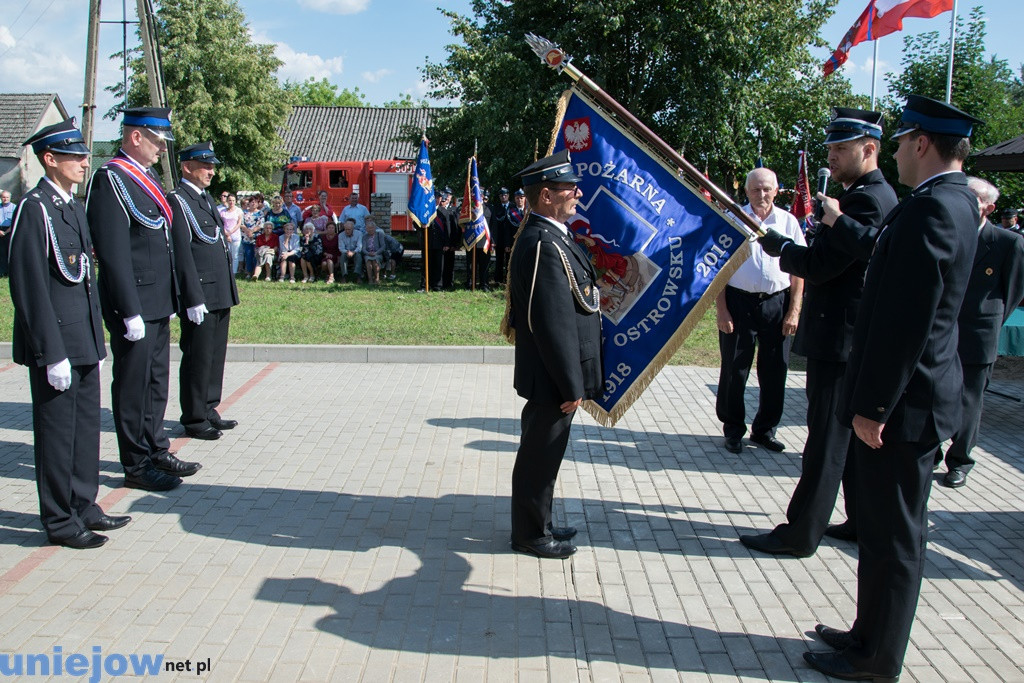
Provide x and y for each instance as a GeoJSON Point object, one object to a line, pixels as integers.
{"type": "Point", "coordinates": [336, 6]}
{"type": "Point", "coordinates": [299, 66]}
{"type": "Point", "coordinates": [6, 39]}
{"type": "Point", "coordinates": [375, 76]}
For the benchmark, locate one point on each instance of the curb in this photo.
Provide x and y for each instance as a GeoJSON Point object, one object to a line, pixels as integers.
{"type": "Point", "coordinates": [340, 353]}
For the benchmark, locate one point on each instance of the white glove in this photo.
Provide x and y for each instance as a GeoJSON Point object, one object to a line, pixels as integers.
{"type": "Point", "coordinates": [136, 328]}
{"type": "Point", "coordinates": [197, 313]}
{"type": "Point", "coordinates": [59, 375]}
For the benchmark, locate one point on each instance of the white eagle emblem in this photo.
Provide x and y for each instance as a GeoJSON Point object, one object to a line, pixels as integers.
{"type": "Point", "coordinates": [577, 135]}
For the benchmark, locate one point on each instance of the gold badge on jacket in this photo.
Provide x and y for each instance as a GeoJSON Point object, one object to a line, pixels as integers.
{"type": "Point", "coordinates": [72, 258]}
{"type": "Point", "coordinates": [586, 290]}
{"type": "Point", "coordinates": [988, 271]}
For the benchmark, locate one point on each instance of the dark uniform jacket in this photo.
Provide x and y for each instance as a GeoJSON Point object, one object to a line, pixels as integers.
{"type": "Point", "coordinates": [501, 234]}
{"type": "Point", "coordinates": [556, 316]}
{"type": "Point", "coordinates": [54, 317]}
{"type": "Point", "coordinates": [903, 368]}
{"type": "Point", "coordinates": [204, 268]}
{"type": "Point", "coordinates": [995, 288]}
{"type": "Point", "coordinates": [440, 230]}
{"type": "Point", "coordinates": [136, 262]}
{"type": "Point", "coordinates": [835, 278]}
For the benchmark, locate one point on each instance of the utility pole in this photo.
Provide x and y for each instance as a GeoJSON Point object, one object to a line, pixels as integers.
{"type": "Point", "coordinates": [154, 78]}
{"type": "Point", "coordinates": [89, 96]}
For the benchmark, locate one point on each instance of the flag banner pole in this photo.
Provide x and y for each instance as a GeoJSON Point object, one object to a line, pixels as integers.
{"type": "Point", "coordinates": [662, 250]}
{"type": "Point", "coordinates": [422, 207]}
{"type": "Point", "coordinates": [554, 57]}
{"type": "Point", "coordinates": [952, 44]}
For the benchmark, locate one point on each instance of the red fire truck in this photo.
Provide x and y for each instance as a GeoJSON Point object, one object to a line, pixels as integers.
{"type": "Point", "coordinates": [341, 178]}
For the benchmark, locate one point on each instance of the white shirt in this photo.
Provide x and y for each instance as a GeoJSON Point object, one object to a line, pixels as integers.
{"type": "Point", "coordinates": [60, 191]}
{"type": "Point", "coordinates": [761, 273]}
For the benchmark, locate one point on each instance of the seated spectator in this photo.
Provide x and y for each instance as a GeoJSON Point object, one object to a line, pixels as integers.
{"type": "Point", "coordinates": [266, 251]}
{"type": "Point", "coordinates": [350, 244]}
{"type": "Point", "coordinates": [317, 218]}
{"type": "Point", "coordinates": [251, 221]}
{"type": "Point", "coordinates": [325, 209]}
{"type": "Point", "coordinates": [373, 251]}
{"type": "Point", "coordinates": [278, 215]}
{"type": "Point", "coordinates": [288, 253]}
{"type": "Point", "coordinates": [355, 211]}
{"type": "Point", "coordinates": [311, 251]}
{"type": "Point", "coordinates": [331, 255]}
{"type": "Point", "coordinates": [392, 255]}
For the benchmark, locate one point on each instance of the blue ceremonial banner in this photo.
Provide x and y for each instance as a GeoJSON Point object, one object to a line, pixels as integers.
{"type": "Point", "coordinates": [661, 249]}
{"type": "Point", "coordinates": [471, 215]}
{"type": "Point", "coordinates": [422, 204]}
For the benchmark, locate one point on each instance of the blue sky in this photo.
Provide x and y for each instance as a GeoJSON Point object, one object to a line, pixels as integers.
{"type": "Point", "coordinates": [375, 45]}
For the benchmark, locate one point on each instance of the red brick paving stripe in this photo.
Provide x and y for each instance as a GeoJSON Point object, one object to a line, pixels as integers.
{"type": "Point", "coordinates": [12, 576]}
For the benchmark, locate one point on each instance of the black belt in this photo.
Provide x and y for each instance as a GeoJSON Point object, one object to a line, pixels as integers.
{"type": "Point", "coordinates": [760, 296]}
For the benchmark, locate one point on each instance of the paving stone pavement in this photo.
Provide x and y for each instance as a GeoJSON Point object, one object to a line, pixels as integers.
{"type": "Point", "coordinates": [355, 527]}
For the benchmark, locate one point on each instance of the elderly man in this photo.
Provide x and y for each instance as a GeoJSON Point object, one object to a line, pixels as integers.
{"type": "Point", "coordinates": [760, 306]}
{"type": "Point", "coordinates": [350, 244]}
{"type": "Point", "coordinates": [207, 293]}
{"type": "Point", "coordinates": [993, 292]}
{"type": "Point", "coordinates": [130, 220]}
{"type": "Point", "coordinates": [835, 280]}
{"type": "Point", "coordinates": [355, 211]}
{"type": "Point", "coordinates": [901, 393]}
{"type": "Point", "coordinates": [6, 219]}
{"type": "Point", "coordinates": [554, 310]}
{"type": "Point", "coordinates": [57, 335]}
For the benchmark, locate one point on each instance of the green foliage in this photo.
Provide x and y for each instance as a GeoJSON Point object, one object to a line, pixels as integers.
{"type": "Point", "coordinates": [985, 88]}
{"type": "Point", "coordinates": [221, 87]}
{"type": "Point", "coordinates": [708, 77]}
{"type": "Point", "coordinates": [322, 93]}
{"type": "Point", "coordinates": [406, 102]}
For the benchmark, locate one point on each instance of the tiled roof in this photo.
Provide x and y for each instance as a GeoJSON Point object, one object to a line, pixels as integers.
{"type": "Point", "coordinates": [353, 133]}
{"type": "Point", "coordinates": [20, 114]}
{"type": "Point", "coordinates": [1005, 156]}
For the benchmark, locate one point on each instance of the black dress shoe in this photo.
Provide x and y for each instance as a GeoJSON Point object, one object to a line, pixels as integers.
{"type": "Point", "coordinates": [563, 533]}
{"type": "Point", "coordinates": [841, 532]}
{"type": "Point", "coordinates": [770, 543]}
{"type": "Point", "coordinates": [108, 523]}
{"type": "Point", "coordinates": [833, 637]}
{"type": "Point", "coordinates": [170, 464]}
{"type": "Point", "coordinates": [733, 445]}
{"type": "Point", "coordinates": [768, 441]}
{"type": "Point", "coordinates": [83, 540]}
{"type": "Point", "coordinates": [557, 550]}
{"type": "Point", "coordinates": [223, 425]}
{"type": "Point", "coordinates": [207, 434]}
{"type": "Point", "coordinates": [151, 479]}
{"type": "Point", "coordinates": [954, 479]}
{"type": "Point", "coordinates": [835, 665]}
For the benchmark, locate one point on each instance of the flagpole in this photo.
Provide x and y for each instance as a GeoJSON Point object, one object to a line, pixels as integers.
{"type": "Point", "coordinates": [426, 236]}
{"type": "Point", "coordinates": [952, 44]}
{"type": "Point", "coordinates": [553, 56]}
{"type": "Point", "coordinates": [874, 73]}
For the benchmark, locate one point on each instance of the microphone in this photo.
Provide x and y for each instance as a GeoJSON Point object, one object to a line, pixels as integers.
{"type": "Point", "coordinates": [823, 175]}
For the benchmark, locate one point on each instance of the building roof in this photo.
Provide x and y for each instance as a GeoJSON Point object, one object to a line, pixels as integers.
{"type": "Point", "coordinates": [354, 133]}
{"type": "Point", "coordinates": [20, 114]}
{"type": "Point", "coordinates": [1004, 156]}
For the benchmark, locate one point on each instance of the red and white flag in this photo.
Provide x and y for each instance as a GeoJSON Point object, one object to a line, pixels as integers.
{"type": "Point", "coordinates": [881, 18]}
{"type": "Point", "coordinates": [802, 207]}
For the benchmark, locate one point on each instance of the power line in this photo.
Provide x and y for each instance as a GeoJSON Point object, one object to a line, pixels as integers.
{"type": "Point", "coordinates": [31, 26]}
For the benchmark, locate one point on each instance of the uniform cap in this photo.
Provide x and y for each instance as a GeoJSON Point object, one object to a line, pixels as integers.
{"type": "Point", "coordinates": [931, 116]}
{"type": "Point", "coordinates": [201, 151]}
{"type": "Point", "coordinates": [850, 124]}
{"type": "Point", "coordinates": [63, 138]}
{"type": "Point", "coordinates": [157, 120]}
{"type": "Point", "coordinates": [554, 168]}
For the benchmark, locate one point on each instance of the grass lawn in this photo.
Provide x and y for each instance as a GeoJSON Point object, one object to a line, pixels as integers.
{"type": "Point", "coordinates": [392, 314]}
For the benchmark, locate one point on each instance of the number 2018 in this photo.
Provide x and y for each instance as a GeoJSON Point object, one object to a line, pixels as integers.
{"type": "Point", "coordinates": [713, 256]}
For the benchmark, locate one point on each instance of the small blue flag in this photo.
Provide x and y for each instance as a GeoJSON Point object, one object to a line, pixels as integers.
{"type": "Point", "coordinates": [471, 216]}
{"type": "Point", "coordinates": [422, 204]}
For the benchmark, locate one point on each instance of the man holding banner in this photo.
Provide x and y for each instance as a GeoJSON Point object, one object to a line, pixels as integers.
{"type": "Point", "coordinates": [761, 305]}
{"type": "Point", "coordinates": [554, 310]}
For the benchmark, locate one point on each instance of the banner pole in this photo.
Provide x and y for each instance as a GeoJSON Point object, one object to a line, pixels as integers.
{"type": "Point", "coordinates": [952, 44]}
{"type": "Point", "coordinates": [553, 56]}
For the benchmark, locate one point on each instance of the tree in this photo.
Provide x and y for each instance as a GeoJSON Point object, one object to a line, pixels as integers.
{"type": "Point", "coordinates": [985, 88]}
{"type": "Point", "coordinates": [221, 87]}
{"type": "Point", "coordinates": [322, 93]}
{"type": "Point", "coordinates": [708, 77]}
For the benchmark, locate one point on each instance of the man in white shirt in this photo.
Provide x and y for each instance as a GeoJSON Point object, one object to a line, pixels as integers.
{"type": "Point", "coordinates": [355, 211]}
{"type": "Point", "coordinates": [759, 307]}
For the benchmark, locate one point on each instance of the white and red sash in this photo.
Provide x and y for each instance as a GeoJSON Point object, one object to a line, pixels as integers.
{"type": "Point", "coordinates": [146, 182]}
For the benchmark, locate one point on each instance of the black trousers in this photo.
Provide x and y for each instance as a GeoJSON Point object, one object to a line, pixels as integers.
{"type": "Point", "coordinates": [201, 373]}
{"type": "Point", "coordinates": [824, 463]}
{"type": "Point", "coordinates": [448, 268]}
{"type": "Point", "coordinates": [433, 265]}
{"type": "Point", "coordinates": [976, 378]}
{"type": "Point", "coordinates": [138, 393]}
{"type": "Point", "coordinates": [5, 245]}
{"type": "Point", "coordinates": [500, 264]}
{"type": "Point", "coordinates": [483, 261]}
{"type": "Point", "coordinates": [756, 322]}
{"type": "Point", "coordinates": [894, 482]}
{"type": "Point", "coordinates": [66, 431]}
{"type": "Point", "coordinates": [545, 435]}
